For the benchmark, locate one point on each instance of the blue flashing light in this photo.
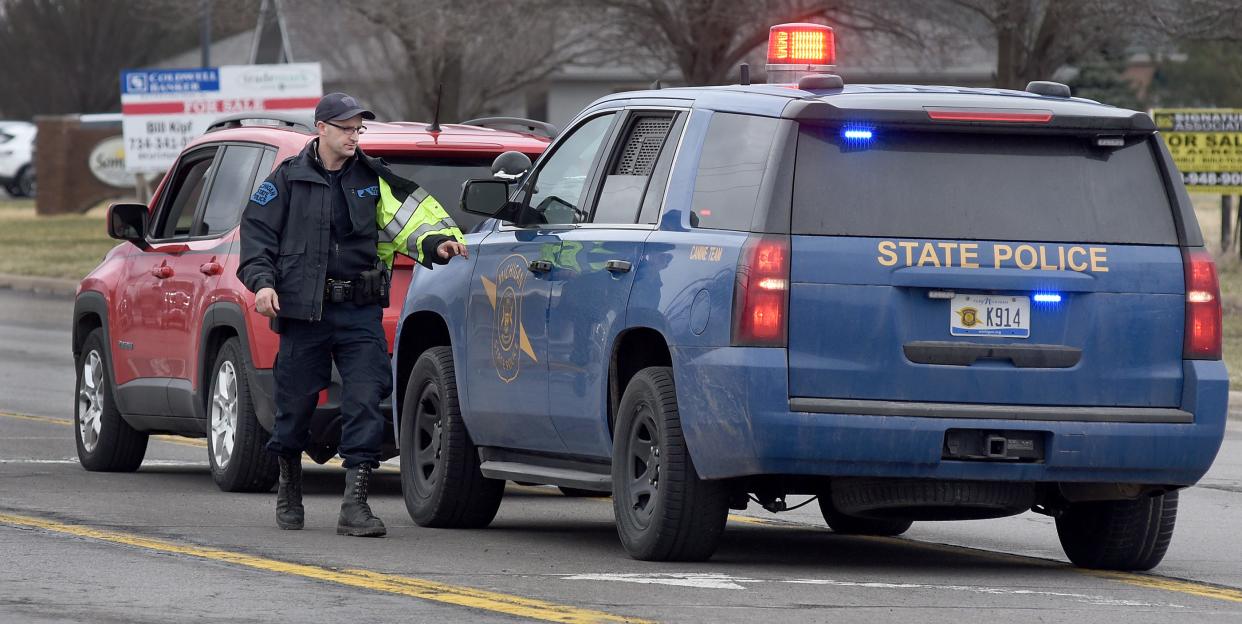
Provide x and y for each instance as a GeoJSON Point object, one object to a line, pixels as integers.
{"type": "Point", "coordinates": [1047, 298]}
{"type": "Point", "coordinates": [857, 134]}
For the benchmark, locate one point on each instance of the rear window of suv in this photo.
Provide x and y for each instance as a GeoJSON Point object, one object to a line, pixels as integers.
{"type": "Point", "coordinates": [979, 187]}
{"type": "Point", "coordinates": [443, 178]}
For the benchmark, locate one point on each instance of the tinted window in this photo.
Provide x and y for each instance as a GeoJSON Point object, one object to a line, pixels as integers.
{"type": "Point", "coordinates": [265, 169]}
{"type": "Point", "coordinates": [556, 190]}
{"type": "Point", "coordinates": [230, 188]}
{"type": "Point", "coordinates": [182, 194]}
{"type": "Point", "coordinates": [632, 165]}
{"type": "Point", "coordinates": [731, 167]}
{"type": "Point", "coordinates": [443, 178]}
{"type": "Point", "coordinates": [654, 199]}
{"type": "Point", "coordinates": [979, 186]}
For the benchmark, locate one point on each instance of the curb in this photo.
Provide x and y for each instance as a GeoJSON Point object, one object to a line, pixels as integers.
{"type": "Point", "coordinates": [1235, 405]}
{"type": "Point", "coordinates": [40, 285]}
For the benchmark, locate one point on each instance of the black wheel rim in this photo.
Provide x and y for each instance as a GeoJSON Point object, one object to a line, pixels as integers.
{"type": "Point", "coordinates": [642, 466]}
{"type": "Point", "coordinates": [428, 440]}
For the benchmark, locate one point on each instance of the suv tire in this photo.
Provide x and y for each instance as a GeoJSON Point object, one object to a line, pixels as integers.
{"type": "Point", "coordinates": [1119, 535]}
{"type": "Point", "coordinates": [235, 439]}
{"type": "Point", "coordinates": [854, 525]}
{"type": "Point", "coordinates": [440, 477]}
{"type": "Point", "coordinates": [24, 184]}
{"type": "Point", "coordinates": [664, 511]}
{"type": "Point", "coordinates": [105, 442]}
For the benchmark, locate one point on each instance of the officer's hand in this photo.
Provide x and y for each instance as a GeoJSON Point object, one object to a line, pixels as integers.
{"type": "Point", "coordinates": [266, 302]}
{"type": "Point", "coordinates": [448, 249]}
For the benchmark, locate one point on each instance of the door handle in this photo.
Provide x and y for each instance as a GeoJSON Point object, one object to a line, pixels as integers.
{"type": "Point", "coordinates": [540, 266]}
{"type": "Point", "coordinates": [618, 266]}
{"type": "Point", "coordinates": [210, 268]}
{"type": "Point", "coordinates": [162, 271]}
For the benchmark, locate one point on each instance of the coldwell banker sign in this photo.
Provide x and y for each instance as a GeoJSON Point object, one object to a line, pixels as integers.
{"type": "Point", "coordinates": [164, 109]}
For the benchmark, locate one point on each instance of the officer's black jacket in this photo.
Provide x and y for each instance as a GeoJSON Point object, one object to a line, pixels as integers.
{"type": "Point", "coordinates": [286, 229]}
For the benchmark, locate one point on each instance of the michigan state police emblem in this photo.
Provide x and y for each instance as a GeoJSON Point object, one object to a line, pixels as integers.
{"type": "Point", "coordinates": [264, 194]}
{"type": "Point", "coordinates": [508, 335]}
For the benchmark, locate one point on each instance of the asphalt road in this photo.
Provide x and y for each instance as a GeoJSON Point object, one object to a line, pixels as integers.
{"type": "Point", "coordinates": [163, 544]}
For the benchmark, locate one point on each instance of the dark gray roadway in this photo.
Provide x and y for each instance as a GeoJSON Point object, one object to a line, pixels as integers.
{"type": "Point", "coordinates": [542, 546]}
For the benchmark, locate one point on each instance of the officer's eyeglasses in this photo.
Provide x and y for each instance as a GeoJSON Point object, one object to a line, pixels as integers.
{"type": "Point", "coordinates": [348, 129]}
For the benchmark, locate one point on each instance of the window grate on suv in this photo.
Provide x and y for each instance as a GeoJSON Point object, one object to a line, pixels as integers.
{"type": "Point", "coordinates": [642, 147]}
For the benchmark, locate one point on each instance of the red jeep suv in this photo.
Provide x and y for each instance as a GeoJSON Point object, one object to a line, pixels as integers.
{"type": "Point", "coordinates": [167, 339]}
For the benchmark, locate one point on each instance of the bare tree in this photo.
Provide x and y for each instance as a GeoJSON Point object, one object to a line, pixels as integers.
{"type": "Point", "coordinates": [479, 50]}
{"type": "Point", "coordinates": [1195, 20]}
{"type": "Point", "coordinates": [706, 39]}
{"type": "Point", "coordinates": [65, 56]}
{"type": "Point", "coordinates": [1035, 38]}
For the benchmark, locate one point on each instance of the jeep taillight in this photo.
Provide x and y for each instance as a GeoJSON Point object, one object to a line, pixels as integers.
{"type": "Point", "coordinates": [761, 292]}
{"type": "Point", "coordinates": [1203, 318]}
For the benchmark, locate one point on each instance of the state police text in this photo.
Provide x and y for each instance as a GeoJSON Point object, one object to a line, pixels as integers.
{"type": "Point", "coordinates": [967, 255]}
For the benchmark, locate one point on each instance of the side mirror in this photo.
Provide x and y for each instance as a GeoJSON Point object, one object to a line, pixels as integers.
{"type": "Point", "coordinates": [128, 222]}
{"type": "Point", "coordinates": [510, 166]}
{"type": "Point", "coordinates": [485, 197]}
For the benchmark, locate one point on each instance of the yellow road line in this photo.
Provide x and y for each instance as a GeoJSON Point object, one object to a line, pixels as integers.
{"type": "Point", "coordinates": [1194, 588]}
{"type": "Point", "coordinates": [42, 419]}
{"type": "Point", "coordinates": [1203, 590]}
{"type": "Point", "coordinates": [363, 579]}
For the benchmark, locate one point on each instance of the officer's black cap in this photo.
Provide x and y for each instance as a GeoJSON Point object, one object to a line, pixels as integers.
{"type": "Point", "coordinates": [338, 106]}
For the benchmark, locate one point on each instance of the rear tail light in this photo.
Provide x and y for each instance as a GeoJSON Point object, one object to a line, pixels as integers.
{"type": "Point", "coordinates": [761, 292]}
{"type": "Point", "coordinates": [1203, 317]}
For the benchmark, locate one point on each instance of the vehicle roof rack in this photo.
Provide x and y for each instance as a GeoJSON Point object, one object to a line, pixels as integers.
{"type": "Point", "coordinates": [284, 120]}
{"type": "Point", "coordinates": [541, 127]}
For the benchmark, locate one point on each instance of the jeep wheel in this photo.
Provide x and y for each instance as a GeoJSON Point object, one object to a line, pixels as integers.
{"type": "Point", "coordinates": [440, 478]}
{"type": "Point", "coordinates": [24, 186]}
{"type": "Point", "coordinates": [106, 443]}
{"type": "Point", "coordinates": [235, 440]}
{"type": "Point", "coordinates": [664, 511]}
{"type": "Point", "coordinates": [1118, 535]}
{"type": "Point", "coordinates": [854, 525]}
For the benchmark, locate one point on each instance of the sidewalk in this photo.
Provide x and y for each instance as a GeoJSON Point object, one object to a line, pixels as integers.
{"type": "Point", "coordinates": [40, 285]}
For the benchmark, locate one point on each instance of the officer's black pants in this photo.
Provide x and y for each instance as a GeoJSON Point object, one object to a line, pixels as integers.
{"type": "Point", "coordinates": [353, 336]}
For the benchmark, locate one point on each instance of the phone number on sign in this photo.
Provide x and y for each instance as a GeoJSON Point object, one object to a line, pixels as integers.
{"type": "Point", "coordinates": [146, 144]}
{"type": "Point", "coordinates": [1212, 178]}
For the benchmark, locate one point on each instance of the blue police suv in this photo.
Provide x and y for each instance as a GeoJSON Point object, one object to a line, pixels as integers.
{"type": "Point", "coordinates": [917, 303]}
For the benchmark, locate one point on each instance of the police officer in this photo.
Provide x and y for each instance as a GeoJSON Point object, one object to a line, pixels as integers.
{"type": "Point", "coordinates": [317, 241]}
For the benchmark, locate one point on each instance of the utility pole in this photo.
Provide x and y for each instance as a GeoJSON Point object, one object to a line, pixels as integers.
{"type": "Point", "coordinates": [271, 36]}
{"type": "Point", "coordinates": [205, 33]}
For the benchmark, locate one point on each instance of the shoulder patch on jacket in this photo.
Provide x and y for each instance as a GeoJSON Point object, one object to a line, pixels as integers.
{"type": "Point", "coordinates": [264, 194]}
{"type": "Point", "coordinates": [370, 191]}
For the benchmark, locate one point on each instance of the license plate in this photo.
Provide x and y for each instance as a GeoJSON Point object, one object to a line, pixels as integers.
{"type": "Point", "coordinates": [990, 315]}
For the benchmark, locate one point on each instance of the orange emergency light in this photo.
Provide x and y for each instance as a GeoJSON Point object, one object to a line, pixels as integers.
{"type": "Point", "coordinates": [795, 50]}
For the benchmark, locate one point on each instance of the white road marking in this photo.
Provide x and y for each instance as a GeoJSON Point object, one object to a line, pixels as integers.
{"type": "Point", "coordinates": [686, 579]}
{"type": "Point", "coordinates": [1085, 598]}
{"type": "Point", "coordinates": [723, 581]}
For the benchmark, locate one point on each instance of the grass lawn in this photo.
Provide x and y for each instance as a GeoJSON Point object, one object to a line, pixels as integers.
{"type": "Point", "coordinates": [63, 246]}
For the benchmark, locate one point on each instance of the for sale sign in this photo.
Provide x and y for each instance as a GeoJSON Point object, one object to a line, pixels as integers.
{"type": "Point", "coordinates": [164, 109]}
{"type": "Point", "coordinates": [1206, 144]}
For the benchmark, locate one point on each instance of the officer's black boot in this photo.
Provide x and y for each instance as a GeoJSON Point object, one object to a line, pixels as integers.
{"type": "Point", "coordinates": [356, 518]}
{"type": "Point", "coordinates": [289, 512]}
